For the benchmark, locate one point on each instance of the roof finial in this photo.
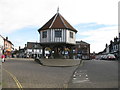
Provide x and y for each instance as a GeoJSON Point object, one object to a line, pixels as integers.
{"type": "Point", "coordinates": [58, 9]}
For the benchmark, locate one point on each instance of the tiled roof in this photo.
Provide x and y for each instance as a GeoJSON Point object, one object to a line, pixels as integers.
{"type": "Point", "coordinates": [81, 42]}
{"type": "Point", "coordinates": [33, 45]}
{"type": "Point", "coordinates": [57, 22]}
{"type": "Point", "coordinates": [8, 41]}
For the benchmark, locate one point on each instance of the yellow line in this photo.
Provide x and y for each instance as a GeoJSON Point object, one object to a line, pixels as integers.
{"type": "Point", "coordinates": [15, 79]}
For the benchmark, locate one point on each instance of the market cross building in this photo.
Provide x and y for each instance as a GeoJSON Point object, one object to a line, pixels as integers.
{"type": "Point", "coordinates": [58, 37]}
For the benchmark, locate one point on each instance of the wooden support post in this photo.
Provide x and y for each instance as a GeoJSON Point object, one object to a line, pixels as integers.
{"type": "Point", "coordinates": [43, 52]}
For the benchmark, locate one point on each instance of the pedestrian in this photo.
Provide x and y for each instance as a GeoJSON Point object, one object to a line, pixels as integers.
{"type": "Point", "coordinates": [3, 58]}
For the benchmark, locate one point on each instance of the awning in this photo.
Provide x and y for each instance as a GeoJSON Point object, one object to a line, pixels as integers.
{"type": "Point", "coordinates": [8, 50]}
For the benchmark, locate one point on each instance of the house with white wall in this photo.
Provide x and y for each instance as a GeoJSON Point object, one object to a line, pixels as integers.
{"type": "Point", "coordinates": [1, 44]}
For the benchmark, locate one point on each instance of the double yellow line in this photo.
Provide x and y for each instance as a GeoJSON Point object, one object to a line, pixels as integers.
{"type": "Point", "coordinates": [15, 79]}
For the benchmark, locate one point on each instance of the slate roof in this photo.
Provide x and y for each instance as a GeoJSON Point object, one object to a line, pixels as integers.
{"type": "Point", "coordinates": [57, 22]}
{"type": "Point", "coordinates": [7, 40]}
{"type": "Point", "coordinates": [31, 45]}
{"type": "Point", "coordinates": [82, 42]}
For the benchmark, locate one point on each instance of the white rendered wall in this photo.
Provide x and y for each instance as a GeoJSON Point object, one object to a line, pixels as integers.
{"type": "Point", "coordinates": [70, 40]}
{"type": "Point", "coordinates": [34, 51]}
{"type": "Point", "coordinates": [51, 36]}
{"type": "Point", "coordinates": [107, 49]}
{"type": "Point", "coordinates": [52, 39]}
{"type": "Point", "coordinates": [1, 41]}
{"type": "Point", "coordinates": [1, 44]}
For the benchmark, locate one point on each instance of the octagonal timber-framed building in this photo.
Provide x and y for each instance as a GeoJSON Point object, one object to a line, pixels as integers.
{"type": "Point", "coordinates": [57, 35]}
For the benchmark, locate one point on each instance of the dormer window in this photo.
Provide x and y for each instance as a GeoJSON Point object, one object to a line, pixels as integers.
{"type": "Point", "coordinates": [44, 34]}
{"type": "Point", "coordinates": [58, 33]}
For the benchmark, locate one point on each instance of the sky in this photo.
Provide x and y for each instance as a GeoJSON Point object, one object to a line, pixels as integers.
{"type": "Point", "coordinates": [95, 20]}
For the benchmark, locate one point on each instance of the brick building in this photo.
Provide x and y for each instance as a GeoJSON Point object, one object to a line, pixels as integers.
{"type": "Point", "coordinates": [8, 47]}
{"type": "Point", "coordinates": [82, 50]}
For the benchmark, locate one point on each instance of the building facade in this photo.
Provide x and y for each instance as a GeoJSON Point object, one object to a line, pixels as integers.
{"type": "Point", "coordinates": [1, 44]}
{"type": "Point", "coordinates": [119, 44]}
{"type": "Point", "coordinates": [8, 47]}
{"type": "Point", "coordinates": [57, 40]}
{"type": "Point", "coordinates": [113, 48]}
{"type": "Point", "coordinates": [57, 35]}
{"type": "Point", "coordinates": [33, 49]}
{"type": "Point", "coordinates": [82, 50]}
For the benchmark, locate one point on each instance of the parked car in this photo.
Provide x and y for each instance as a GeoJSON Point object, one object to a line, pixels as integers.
{"type": "Point", "coordinates": [103, 57]}
{"type": "Point", "coordinates": [111, 57]}
{"type": "Point", "coordinates": [107, 57]}
{"type": "Point", "coordinates": [98, 57]}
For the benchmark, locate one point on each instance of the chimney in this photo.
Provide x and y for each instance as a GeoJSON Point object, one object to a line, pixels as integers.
{"type": "Point", "coordinates": [106, 45]}
{"type": "Point", "coordinates": [6, 38]}
{"type": "Point", "coordinates": [25, 45]}
{"type": "Point", "coordinates": [111, 42]}
{"type": "Point", "coordinates": [19, 47]}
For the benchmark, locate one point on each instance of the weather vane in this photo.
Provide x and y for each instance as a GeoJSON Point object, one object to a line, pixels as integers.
{"type": "Point", "coordinates": [58, 9]}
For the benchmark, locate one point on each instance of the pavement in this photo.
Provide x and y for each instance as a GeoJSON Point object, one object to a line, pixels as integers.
{"type": "Point", "coordinates": [19, 59]}
{"type": "Point", "coordinates": [53, 62]}
{"type": "Point", "coordinates": [59, 62]}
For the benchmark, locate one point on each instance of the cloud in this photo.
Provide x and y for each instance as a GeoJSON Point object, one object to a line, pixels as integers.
{"type": "Point", "coordinates": [16, 14]}
{"type": "Point", "coordinates": [98, 37]}
{"type": "Point", "coordinates": [24, 35]}
{"type": "Point", "coordinates": [91, 26]}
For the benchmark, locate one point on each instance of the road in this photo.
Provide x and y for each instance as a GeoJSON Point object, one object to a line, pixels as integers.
{"type": "Point", "coordinates": [95, 74]}
{"type": "Point", "coordinates": [90, 74]}
{"type": "Point", "coordinates": [30, 74]}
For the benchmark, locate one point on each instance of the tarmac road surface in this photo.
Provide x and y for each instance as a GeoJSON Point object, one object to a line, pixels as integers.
{"type": "Point", "coordinates": [96, 74]}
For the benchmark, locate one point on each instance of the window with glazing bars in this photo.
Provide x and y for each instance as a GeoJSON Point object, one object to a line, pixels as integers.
{"type": "Point", "coordinates": [71, 34]}
{"type": "Point", "coordinates": [58, 33]}
{"type": "Point", "coordinates": [44, 34]}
